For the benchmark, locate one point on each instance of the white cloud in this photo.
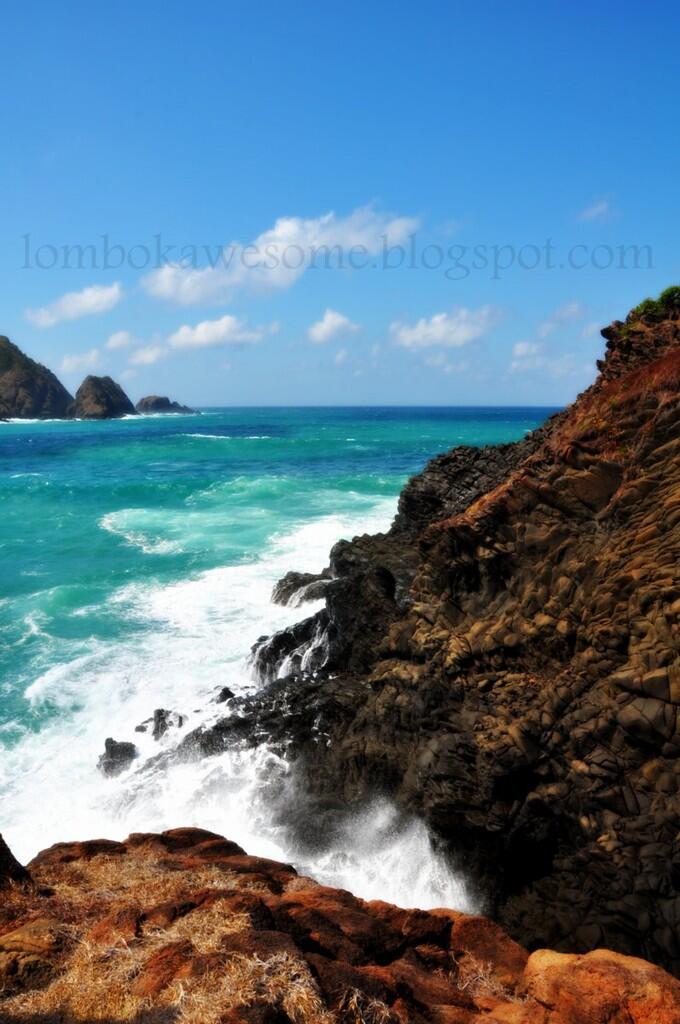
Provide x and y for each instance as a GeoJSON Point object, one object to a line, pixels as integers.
{"type": "Point", "coordinates": [525, 348]}
{"type": "Point", "coordinates": [81, 361]}
{"type": "Point", "coordinates": [450, 330]}
{"type": "Point", "coordinates": [148, 355]}
{"type": "Point", "coordinates": [96, 299]}
{"type": "Point", "coordinates": [278, 257]}
{"type": "Point", "coordinates": [128, 374]}
{"type": "Point", "coordinates": [532, 355]}
{"type": "Point", "coordinates": [565, 365]}
{"type": "Point", "coordinates": [330, 326]}
{"type": "Point", "coordinates": [600, 210]}
{"type": "Point", "coordinates": [565, 314]}
{"type": "Point", "coordinates": [591, 329]}
{"type": "Point", "coordinates": [227, 330]}
{"type": "Point", "coordinates": [340, 357]}
{"type": "Point", "coordinates": [440, 361]}
{"type": "Point", "coordinates": [119, 339]}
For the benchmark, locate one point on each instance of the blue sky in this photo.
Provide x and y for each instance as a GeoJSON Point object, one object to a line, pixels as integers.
{"type": "Point", "coordinates": [497, 157]}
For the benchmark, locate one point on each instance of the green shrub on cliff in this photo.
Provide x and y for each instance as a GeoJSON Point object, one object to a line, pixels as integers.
{"type": "Point", "coordinates": [658, 309]}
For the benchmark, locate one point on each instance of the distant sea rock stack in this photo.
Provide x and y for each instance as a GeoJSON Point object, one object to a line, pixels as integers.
{"type": "Point", "coordinates": [100, 398]}
{"type": "Point", "coordinates": [160, 403]}
{"type": "Point", "coordinates": [29, 390]}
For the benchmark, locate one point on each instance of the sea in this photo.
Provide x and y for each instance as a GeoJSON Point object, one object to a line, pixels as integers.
{"type": "Point", "coordinates": [138, 558]}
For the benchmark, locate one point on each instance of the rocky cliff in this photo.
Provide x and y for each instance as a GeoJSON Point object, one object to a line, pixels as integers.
{"type": "Point", "coordinates": [506, 662]}
{"type": "Point", "coordinates": [185, 928]}
{"type": "Point", "coordinates": [100, 398]}
{"type": "Point", "coordinates": [28, 389]}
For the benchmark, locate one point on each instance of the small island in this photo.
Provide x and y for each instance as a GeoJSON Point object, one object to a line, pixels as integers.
{"type": "Point", "coordinates": [29, 390]}
{"type": "Point", "coordinates": [160, 404]}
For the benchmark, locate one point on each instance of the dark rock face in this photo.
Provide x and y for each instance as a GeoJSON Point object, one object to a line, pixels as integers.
{"type": "Point", "coordinates": [367, 584]}
{"type": "Point", "coordinates": [507, 665]}
{"type": "Point", "coordinates": [10, 868]}
{"type": "Point", "coordinates": [297, 587]}
{"type": "Point", "coordinates": [28, 389]}
{"type": "Point", "coordinates": [116, 757]}
{"type": "Point", "coordinates": [160, 403]}
{"type": "Point", "coordinates": [161, 721]}
{"type": "Point", "coordinates": [100, 398]}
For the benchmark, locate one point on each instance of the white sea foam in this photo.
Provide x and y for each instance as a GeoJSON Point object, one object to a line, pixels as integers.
{"type": "Point", "coordinates": [184, 641]}
{"type": "Point", "coordinates": [229, 437]}
{"type": "Point", "coordinates": [122, 524]}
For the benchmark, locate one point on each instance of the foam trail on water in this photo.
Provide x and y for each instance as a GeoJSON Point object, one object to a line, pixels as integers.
{"type": "Point", "coordinates": [185, 641]}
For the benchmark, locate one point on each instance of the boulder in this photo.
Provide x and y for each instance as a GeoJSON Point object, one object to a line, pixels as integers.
{"type": "Point", "coordinates": [100, 398]}
{"type": "Point", "coordinates": [116, 757]}
{"type": "Point", "coordinates": [28, 389]}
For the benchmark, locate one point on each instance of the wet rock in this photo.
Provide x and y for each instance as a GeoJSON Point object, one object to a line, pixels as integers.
{"type": "Point", "coordinates": [297, 587]}
{"type": "Point", "coordinates": [164, 720]}
{"type": "Point", "coordinates": [225, 694]}
{"type": "Point", "coordinates": [160, 722]}
{"type": "Point", "coordinates": [117, 757]}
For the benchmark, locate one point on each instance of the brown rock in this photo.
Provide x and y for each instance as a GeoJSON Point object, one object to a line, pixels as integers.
{"type": "Point", "coordinates": [28, 389]}
{"type": "Point", "coordinates": [602, 986]}
{"type": "Point", "coordinates": [100, 398]}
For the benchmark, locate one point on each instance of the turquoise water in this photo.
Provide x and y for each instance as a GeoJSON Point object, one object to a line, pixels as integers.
{"type": "Point", "coordinates": [138, 558]}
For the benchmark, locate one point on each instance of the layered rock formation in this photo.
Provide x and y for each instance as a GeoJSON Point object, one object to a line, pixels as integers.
{"type": "Point", "coordinates": [159, 403]}
{"type": "Point", "coordinates": [28, 389]}
{"type": "Point", "coordinates": [506, 662]}
{"type": "Point", "coordinates": [100, 398]}
{"type": "Point", "coordinates": [185, 928]}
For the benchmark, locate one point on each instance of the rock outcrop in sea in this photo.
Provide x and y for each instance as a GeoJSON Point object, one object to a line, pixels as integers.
{"type": "Point", "coordinates": [505, 662]}
{"type": "Point", "coordinates": [100, 398]}
{"type": "Point", "coordinates": [29, 390]}
{"type": "Point", "coordinates": [160, 403]}
{"type": "Point", "coordinates": [183, 927]}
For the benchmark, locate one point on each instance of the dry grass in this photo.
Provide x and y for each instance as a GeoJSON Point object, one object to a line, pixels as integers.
{"type": "Point", "coordinates": [358, 1008]}
{"type": "Point", "coordinates": [477, 978]}
{"type": "Point", "coordinates": [99, 986]}
{"type": "Point", "coordinates": [280, 981]}
{"type": "Point", "coordinates": [97, 982]}
{"type": "Point", "coordinates": [105, 877]}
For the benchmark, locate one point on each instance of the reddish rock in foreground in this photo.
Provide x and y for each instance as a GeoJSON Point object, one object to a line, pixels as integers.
{"type": "Point", "coordinates": [184, 927]}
